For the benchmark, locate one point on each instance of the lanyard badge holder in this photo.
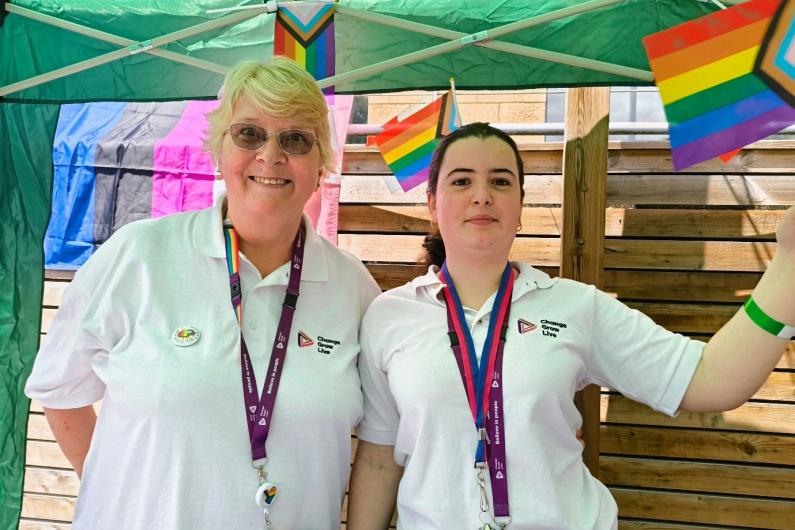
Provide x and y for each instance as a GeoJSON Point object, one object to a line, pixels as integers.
{"type": "Point", "coordinates": [266, 493]}
{"type": "Point", "coordinates": [259, 409]}
{"type": "Point", "coordinates": [483, 386]}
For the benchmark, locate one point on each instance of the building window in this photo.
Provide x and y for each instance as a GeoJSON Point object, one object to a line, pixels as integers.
{"type": "Point", "coordinates": [627, 104]}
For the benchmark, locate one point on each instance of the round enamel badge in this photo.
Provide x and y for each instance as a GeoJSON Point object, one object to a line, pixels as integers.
{"type": "Point", "coordinates": [187, 336]}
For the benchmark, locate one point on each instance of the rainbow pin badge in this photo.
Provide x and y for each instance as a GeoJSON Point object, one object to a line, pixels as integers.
{"type": "Point", "coordinates": [185, 336]}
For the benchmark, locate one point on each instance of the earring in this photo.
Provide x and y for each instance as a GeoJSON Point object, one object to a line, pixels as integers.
{"type": "Point", "coordinates": [519, 228]}
{"type": "Point", "coordinates": [217, 171]}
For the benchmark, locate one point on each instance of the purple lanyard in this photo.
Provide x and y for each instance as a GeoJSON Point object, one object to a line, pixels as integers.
{"type": "Point", "coordinates": [259, 411]}
{"type": "Point", "coordinates": [483, 384]}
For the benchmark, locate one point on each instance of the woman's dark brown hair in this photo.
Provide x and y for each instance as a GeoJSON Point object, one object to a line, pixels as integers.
{"type": "Point", "coordinates": [433, 244]}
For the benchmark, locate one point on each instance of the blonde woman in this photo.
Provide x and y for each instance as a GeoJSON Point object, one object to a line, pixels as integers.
{"type": "Point", "coordinates": [189, 327]}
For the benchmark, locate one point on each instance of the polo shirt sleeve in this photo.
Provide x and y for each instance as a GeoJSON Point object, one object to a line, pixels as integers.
{"type": "Point", "coordinates": [640, 359]}
{"type": "Point", "coordinates": [380, 419]}
{"type": "Point", "coordinates": [88, 324]}
{"type": "Point", "coordinates": [62, 376]}
{"type": "Point", "coordinates": [369, 291]}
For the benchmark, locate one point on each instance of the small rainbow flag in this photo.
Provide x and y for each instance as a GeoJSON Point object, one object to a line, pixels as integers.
{"type": "Point", "coordinates": [408, 143]}
{"type": "Point", "coordinates": [304, 32]}
{"type": "Point", "coordinates": [713, 100]}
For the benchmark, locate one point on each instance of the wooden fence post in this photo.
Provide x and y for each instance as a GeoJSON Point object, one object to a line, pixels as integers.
{"type": "Point", "coordinates": [582, 235]}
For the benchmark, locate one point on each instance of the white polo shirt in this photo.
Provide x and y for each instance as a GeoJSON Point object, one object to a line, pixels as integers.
{"type": "Point", "coordinates": [171, 448]}
{"type": "Point", "coordinates": [562, 336]}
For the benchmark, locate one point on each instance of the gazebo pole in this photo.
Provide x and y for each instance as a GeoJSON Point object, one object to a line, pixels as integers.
{"type": "Point", "coordinates": [582, 234]}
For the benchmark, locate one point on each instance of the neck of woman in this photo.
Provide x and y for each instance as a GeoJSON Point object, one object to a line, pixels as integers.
{"type": "Point", "coordinates": [475, 280]}
{"type": "Point", "coordinates": [268, 255]}
{"type": "Point", "coordinates": [267, 245]}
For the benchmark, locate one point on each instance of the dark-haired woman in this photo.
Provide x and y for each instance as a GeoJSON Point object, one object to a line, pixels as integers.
{"type": "Point", "coordinates": [469, 371]}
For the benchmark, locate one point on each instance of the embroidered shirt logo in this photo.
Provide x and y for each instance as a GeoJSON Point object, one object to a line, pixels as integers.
{"type": "Point", "coordinates": [187, 336]}
{"type": "Point", "coordinates": [550, 328]}
{"type": "Point", "coordinates": [304, 340]}
{"type": "Point", "coordinates": [525, 326]}
{"type": "Point", "coordinates": [326, 345]}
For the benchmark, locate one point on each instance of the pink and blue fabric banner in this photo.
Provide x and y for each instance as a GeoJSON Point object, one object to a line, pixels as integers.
{"type": "Point", "coordinates": [119, 162]}
{"type": "Point", "coordinates": [115, 163]}
{"type": "Point", "coordinates": [181, 166]}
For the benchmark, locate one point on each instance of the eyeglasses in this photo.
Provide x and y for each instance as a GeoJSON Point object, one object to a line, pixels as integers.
{"type": "Point", "coordinates": [294, 142]}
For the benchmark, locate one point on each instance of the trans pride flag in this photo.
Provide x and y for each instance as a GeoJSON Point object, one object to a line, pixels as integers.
{"type": "Point", "coordinates": [408, 143]}
{"type": "Point", "coordinates": [304, 32]}
{"type": "Point", "coordinates": [713, 100]}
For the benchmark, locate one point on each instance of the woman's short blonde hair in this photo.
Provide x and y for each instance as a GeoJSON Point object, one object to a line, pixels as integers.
{"type": "Point", "coordinates": [282, 89]}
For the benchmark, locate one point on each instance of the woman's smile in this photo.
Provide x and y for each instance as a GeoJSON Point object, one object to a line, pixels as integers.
{"type": "Point", "coordinates": [270, 182]}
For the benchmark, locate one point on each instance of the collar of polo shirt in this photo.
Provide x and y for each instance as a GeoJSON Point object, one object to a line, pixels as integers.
{"type": "Point", "coordinates": [529, 279]}
{"type": "Point", "coordinates": [208, 238]}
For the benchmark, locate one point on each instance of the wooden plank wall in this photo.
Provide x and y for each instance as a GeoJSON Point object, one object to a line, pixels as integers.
{"type": "Point", "coordinates": [684, 248]}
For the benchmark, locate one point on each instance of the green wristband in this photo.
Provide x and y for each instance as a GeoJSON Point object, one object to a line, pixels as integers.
{"type": "Point", "coordinates": [766, 322]}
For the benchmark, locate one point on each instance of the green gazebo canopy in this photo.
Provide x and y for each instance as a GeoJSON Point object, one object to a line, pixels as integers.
{"type": "Point", "coordinates": [598, 42]}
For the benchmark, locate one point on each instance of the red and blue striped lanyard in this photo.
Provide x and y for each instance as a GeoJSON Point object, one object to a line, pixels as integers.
{"type": "Point", "coordinates": [259, 410]}
{"type": "Point", "coordinates": [483, 382]}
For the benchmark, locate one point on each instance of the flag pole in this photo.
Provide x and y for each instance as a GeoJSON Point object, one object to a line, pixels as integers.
{"type": "Point", "coordinates": [452, 91]}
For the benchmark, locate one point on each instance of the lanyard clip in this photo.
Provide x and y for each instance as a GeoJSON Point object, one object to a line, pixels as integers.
{"type": "Point", "coordinates": [484, 499]}
{"type": "Point", "coordinates": [290, 299]}
{"type": "Point", "coordinates": [234, 286]}
{"type": "Point", "coordinates": [259, 467]}
{"type": "Point", "coordinates": [483, 434]}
